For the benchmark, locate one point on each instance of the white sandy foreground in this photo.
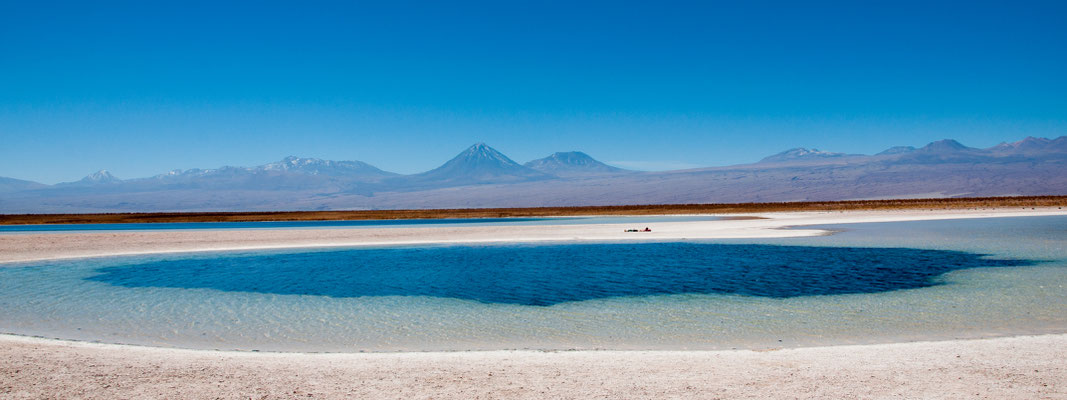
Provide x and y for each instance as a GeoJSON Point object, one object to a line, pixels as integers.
{"type": "Point", "coordinates": [1031, 367]}
{"type": "Point", "coordinates": [1027, 367]}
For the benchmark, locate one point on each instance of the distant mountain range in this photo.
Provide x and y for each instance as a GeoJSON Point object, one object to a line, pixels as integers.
{"type": "Point", "coordinates": [483, 177]}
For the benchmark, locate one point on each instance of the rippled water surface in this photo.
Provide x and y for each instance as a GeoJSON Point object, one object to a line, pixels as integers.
{"type": "Point", "coordinates": [867, 283]}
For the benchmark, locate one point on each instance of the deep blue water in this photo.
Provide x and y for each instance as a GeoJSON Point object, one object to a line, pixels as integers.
{"type": "Point", "coordinates": [543, 275]}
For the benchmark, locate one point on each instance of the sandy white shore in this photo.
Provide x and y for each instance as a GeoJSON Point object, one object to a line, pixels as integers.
{"type": "Point", "coordinates": [50, 246]}
{"type": "Point", "coordinates": [1017, 367]}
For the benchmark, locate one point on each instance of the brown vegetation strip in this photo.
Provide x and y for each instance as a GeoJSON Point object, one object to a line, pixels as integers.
{"type": "Point", "coordinates": [652, 209]}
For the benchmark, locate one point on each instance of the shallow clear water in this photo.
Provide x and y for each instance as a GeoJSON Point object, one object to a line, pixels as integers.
{"type": "Point", "coordinates": [869, 283]}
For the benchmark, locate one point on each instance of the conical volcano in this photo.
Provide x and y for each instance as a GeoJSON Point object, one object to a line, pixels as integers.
{"type": "Point", "coordinates": [572, 163]}
{"type": "Point", "coordinates": [480, 164]}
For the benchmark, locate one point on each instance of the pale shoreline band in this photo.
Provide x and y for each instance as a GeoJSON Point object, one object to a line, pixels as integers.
{"type": "Point", "coordinates": [24, 247]}
{"type": "Point", "coordinates": [1010, 367]}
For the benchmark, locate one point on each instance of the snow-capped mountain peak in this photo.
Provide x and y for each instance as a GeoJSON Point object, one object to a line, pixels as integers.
{"type": "Point", "coordinates": [481, 152]}
{"type": "Point", "coordinates": [100, 176]}
{"type": "Point", "coordinates": [1031, 144]}
{"type": "Point", "coordinates": [800, 153]}
{"type": "Point", "coordinates": [316, 166]}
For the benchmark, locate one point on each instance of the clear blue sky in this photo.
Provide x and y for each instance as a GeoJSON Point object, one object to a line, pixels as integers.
{"type": "Point", "coordinates": [143, 87]}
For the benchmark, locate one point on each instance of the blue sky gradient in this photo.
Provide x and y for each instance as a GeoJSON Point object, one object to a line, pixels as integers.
{"type": "Point", "coordinates": [139, 88]}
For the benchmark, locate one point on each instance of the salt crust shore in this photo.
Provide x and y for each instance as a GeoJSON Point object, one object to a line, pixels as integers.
{"type": "Point", "coordinates": [1026, 367]}
{"type": "Point", "coordinates": [30, 368]}
{"type": "Point", "coordinates": [54, 246]}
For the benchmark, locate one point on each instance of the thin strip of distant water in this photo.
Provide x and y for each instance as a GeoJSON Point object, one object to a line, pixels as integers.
{"type": "Point", "coordinates": [379, 223]}
{"type": "Point", "coordinates": [868, 283]}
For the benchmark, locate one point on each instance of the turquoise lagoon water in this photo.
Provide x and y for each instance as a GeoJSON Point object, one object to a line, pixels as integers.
{"type": "Point", "coordinates": [867, 283]}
